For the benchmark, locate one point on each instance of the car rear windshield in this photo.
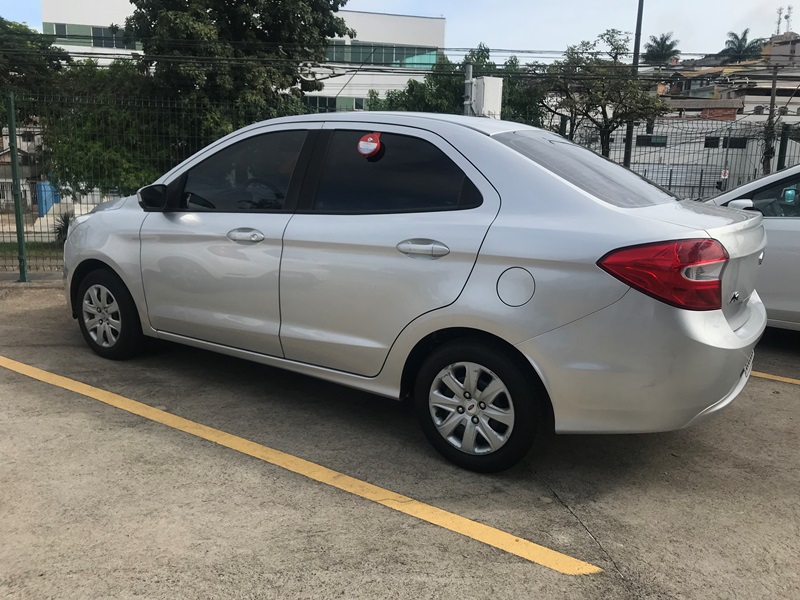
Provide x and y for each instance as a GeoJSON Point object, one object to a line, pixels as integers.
{"type": "Point", "coordinates": [591, 172]}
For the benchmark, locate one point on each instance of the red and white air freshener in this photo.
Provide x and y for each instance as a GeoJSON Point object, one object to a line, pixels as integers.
{"type": "Point", "coordinates": [369, 145]}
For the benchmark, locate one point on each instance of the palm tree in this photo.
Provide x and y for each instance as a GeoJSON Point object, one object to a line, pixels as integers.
{"type": "Point", "coordinates": [661, 50]}
{"type": "Point", "coordinates": [739, 48]}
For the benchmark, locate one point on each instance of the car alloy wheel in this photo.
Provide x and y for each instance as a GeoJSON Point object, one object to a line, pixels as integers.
{"type": "Point", "coordinates": [107, 315]}
{"type": "Point", "coordinates": [471, 408]}
{"type": "Point", "coordinates": [480, 405]}
{"type": "Point", "coordinates": [101, 316]}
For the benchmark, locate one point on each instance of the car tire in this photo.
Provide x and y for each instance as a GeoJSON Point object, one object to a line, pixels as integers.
{"type": "Point", "coordinates": [489, 422]}
{"type": "Point", "coordinates": [107, 316]}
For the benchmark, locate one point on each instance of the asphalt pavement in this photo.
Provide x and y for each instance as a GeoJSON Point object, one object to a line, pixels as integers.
{"type": "Point", "coordinates": [96, 502]}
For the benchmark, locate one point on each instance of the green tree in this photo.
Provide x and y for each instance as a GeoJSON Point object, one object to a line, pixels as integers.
{"type": "Point", "coordinates": [522, 101]}
{"type": "Point", "coordinates": [28, 59]}
{"type": "Point", "coordinates": [245, 55]}
{"type": "Point", "coordinates": [661, 50]}
{"type": "Point", "coordinates": [592, 84]}
{"type": "Point", "coordinates": [101, 133]}
{"type": "Point", "coordinates": [739, 48]}
{"type": "Point", "coordinates": [442, 90]}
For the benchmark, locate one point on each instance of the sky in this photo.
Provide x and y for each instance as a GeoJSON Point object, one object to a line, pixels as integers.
{"type": "Point", "coordinates": [700, 25]}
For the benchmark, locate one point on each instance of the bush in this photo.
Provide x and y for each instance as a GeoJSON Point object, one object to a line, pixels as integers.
{"type": "Point", "coordinates": [61, 227]}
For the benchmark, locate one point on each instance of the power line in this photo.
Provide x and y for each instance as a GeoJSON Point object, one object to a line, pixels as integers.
{"type": "Point", "coordinates": [292, 46]}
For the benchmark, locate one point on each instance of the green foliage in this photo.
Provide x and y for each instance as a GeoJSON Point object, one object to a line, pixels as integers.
{"type": "Point", "coordinates": [442, 90]}
{"type": "Point", "coordinates": [660, 50]}
{"type": "Point", "coordinates": [739, 48]}
{"type": "Point", "coordinates": [592, 84]}
{"type": "Point", "coordinates": [28, 60]}
{"type": "Point", "coordinates": [234, 52]}
{"type": "Point", "coordinates": [522, 101]}
{"type": "Point", "coordinates": [61, 227]}
{"type": "Point", "coordinates": [208, 67]}
{"type": "Point", "coordinates": [99, 134]}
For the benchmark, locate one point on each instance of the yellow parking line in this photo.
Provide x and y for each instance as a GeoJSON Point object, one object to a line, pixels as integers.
{"type": "Point", "coordinates": [776, 378]}
{"type": "Point", "coordinates": [425, 512]}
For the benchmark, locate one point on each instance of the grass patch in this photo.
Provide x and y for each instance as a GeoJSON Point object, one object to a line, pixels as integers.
{"type": "Point", "coordinates": [34, 249]}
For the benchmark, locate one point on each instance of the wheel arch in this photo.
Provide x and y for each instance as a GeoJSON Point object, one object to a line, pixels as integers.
{"type": "Point", "coordinates": [434, 340]}
{"type": "Point", "coordinates": [81, 271]}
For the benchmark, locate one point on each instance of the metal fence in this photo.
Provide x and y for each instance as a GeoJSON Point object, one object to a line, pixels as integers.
{"type": "Point", "coordinates": [696, 158]}
{"type": "Point", "coordinates": [76, 152]}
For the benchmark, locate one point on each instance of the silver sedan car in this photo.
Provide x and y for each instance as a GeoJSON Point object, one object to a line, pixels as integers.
{"type": "Point", "coordinates": [508, 282]}
{"type": "Point", "coordinates": [777, 197]}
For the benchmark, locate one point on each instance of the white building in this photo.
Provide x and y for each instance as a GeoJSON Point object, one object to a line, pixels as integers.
{"type": "Point", "coordinates": [384, 55]}
{"type": "Point", "coordinates": [83, 27]}
{"type": "Point", "coordinates": [387, 51]}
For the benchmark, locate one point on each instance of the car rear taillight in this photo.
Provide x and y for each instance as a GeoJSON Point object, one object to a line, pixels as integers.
{"type": "Point", "coordinates": [683, 273]}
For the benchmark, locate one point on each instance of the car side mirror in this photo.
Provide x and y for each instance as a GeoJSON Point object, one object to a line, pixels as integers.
{"type": "Point", "coordinates": [153, 198]}
{"type": "Point", "coordinates": [741, 204]}
{"type": "Point", "coordinates": [789, 195]}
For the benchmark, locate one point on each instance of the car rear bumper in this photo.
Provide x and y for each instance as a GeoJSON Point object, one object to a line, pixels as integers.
{"type": "Point", "coordinates": [642, 366]}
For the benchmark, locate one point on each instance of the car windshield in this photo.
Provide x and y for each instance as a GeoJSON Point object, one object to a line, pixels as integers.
{"type": "Point", "coordinates": [591, 172]}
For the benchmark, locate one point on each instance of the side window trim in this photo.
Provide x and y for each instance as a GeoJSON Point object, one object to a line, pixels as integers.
{"type": "Point", "coordinates": [301, 170]}
{"type": "Point", "coordinates": [310, 183]}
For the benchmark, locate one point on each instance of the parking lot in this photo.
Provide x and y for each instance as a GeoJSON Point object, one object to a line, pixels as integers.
{"type": "Point", "coordinates": [188, 501]}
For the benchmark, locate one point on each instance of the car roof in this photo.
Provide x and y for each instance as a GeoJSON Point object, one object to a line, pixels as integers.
{"type": "Point", "coordinates": [483, 125]}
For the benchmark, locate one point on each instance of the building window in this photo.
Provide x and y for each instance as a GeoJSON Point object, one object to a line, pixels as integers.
{"type": "Point", "coordinates": [657, 141]}
{"type": "Point", "coordinates": [735, 143]}
{"type": "Point", "coordinates": [103, 38]}
{"type": "Point", "coordinates": [388, 54]}
{"type": "Point", "coordinates": [758, 110]}
{"type": "Point", "coordinates": [320, 104]}
{"type": "Point", "coordinates": [711, 142]}
{"type": "Point", "coordinates": [61, 30]}
{"type": "Point", "coordinates": [336, 51]}
{"type": "Point", "coordinates": [783, 111]}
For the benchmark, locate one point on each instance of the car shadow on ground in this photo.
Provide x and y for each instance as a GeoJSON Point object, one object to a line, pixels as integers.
{"type": "Point", "coordinates": [371, 428]}
{"type": "Point", "coordinates": [783, 340]}
{"type": "Point", "coordinates": [778, 353]}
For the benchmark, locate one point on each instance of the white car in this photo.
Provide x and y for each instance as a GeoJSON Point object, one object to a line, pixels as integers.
{"type": "Point", "coordinates": [777, 197]}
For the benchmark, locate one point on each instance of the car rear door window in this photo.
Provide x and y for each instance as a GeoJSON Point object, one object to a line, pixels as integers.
{"type": "Point", "coordinates": [602, 178]}
{"type": "Point", "coordinates": [408, 174]}
{"type": "Point", "coordinates": [251, 175]}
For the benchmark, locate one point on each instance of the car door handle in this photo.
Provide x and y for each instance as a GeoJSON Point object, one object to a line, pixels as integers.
{"type": "Point", "coordinates": [246, 234]}
{"type": "Point", "coordinates": [423, 248]}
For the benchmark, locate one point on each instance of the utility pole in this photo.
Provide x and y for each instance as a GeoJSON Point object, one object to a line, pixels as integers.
{"type": "Point", "coordinates": [468, 90]}
{"type": "Point", "coordinates": [726, 172]}
{"type": "Point", "coordinates": [626, 161]}
{"type": "Point", "coordinates": [769, 131]}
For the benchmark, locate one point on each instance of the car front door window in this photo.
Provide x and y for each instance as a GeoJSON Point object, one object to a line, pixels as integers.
{"type": "Point", "coordinates": [779, 200]}
{"type": "Point", "coordinates": [251, 175]}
